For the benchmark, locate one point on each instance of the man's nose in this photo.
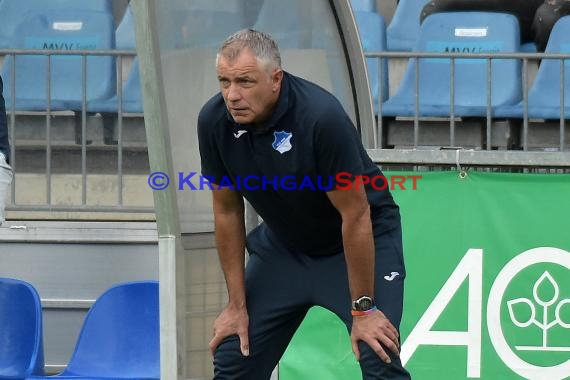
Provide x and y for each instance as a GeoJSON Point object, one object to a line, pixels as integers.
{"type": "Point", "coordinates": [233, 93]}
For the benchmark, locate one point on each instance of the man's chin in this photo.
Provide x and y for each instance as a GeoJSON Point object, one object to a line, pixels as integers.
{"type": "Point", "coordinates": [242, 119]}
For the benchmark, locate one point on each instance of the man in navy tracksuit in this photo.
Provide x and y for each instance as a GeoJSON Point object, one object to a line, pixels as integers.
{"type": "Point", "coordinates": [5, 169]}
{"type": "Point", "coordinates": [281, 142]}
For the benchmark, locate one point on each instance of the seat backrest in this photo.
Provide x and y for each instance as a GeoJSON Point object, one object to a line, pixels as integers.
{"type": "Point", "coordinates": [372, 31]}
{"type": "Point", "coordinates": [363, 5]}
{"type": "Point", "coordinates": [470, 32]}
{"type": "Point", "coordinates": [13, 12]}
{"type": "Point", "coordinates": [125, 34]}
{"type": "Point", "coordinates": [545, 90]}
{"type": "Point", "coordinates": [21, 343]}
{"type": "Point", "coordinates": [404, 28]}
{"type": "Point", "coordinates": [71, 30]}
{"type": "Point", "coordinates": [120, 335]}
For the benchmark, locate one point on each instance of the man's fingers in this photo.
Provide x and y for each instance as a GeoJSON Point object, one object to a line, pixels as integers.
{"type": "Point", "coordinates": [355, 349]}
{"type": "Point", "coordinates": [214, 343]}
{"type": "Point", "coordinates": [377, 347]}
{"type": "Point", "coordinates": [393, 330]}
{"type": "Point", "coordinates": [391, 339]}
{"type": "Point", "coordinates": [243, 339]}
{"type": "Point", "coordinates": [244, 343]}
{"type": "Point", "coordinates": [389, 343]}
{"type": "Point", "coordinates": [389, 325]}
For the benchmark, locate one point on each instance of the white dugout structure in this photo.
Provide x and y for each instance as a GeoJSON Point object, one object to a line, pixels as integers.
{"type": "Point", "coordinates": [177, 43]}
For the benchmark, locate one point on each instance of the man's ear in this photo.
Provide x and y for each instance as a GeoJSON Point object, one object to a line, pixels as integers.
{"type": "Point", "coordinates": [276, 79]}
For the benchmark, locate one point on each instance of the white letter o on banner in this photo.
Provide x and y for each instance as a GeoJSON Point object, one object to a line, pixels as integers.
{"type": "Point", "coordinates": [513, 267]}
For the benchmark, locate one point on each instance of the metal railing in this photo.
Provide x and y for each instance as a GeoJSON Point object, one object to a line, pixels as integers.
{"type": "Point", "coordinates": [520, 156]}
{"type": "Point", "coordinates": [80, 119]}
{"type": "Point", "coordinates": [448, 154]}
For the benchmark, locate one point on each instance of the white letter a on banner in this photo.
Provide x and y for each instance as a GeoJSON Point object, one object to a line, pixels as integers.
{"type": "Point", "coordinates": [471, 267]}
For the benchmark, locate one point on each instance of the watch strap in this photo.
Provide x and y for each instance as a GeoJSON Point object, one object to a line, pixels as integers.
{"type": "Point", "coordinates": [357, 313]}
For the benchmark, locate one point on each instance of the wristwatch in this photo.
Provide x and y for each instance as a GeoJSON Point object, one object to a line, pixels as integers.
{"type": "Point", "coordinates": [363, 303]}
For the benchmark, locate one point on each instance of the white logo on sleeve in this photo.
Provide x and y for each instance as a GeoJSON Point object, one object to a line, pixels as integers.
{"type": "Point", "coordinates": [392, 276]}
{"type": "Point", "coordinates": [238, 134]}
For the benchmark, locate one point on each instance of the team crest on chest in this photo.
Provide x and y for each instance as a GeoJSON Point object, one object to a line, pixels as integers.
{"type": "Point", "coordinates": [282, 142]}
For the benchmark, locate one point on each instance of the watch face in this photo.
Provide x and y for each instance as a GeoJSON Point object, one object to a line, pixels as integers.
{"type": "Point", "coordinates": [364, 303]}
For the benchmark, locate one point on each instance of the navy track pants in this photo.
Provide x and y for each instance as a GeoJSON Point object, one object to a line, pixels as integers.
{"type": "Point", "coordinates": [282, 285]}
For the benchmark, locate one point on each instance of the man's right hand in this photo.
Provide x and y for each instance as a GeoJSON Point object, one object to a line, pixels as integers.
{"type": "Point", "coordinates": [233, 320]}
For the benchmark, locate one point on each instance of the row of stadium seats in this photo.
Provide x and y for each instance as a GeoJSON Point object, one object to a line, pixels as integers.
{"type": "Point", "coordinates": [66, 25]}
{"type": "Point", "coordinates": [192, 20]}
{"type": "Point", "coordinates": [119, 338]}
{"type": "Point", "coordinates": [403, 30]}
{"type": "Point", "coordinates": [478, 32]}
{"type": "Point", "coordinates": [94, 29]}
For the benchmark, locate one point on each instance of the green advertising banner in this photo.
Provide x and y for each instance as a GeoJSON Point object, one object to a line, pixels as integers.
{"type": "Point", "coordinates": [487, 287]}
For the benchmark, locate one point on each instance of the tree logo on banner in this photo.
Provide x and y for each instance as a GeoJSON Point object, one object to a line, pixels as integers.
{"type": "Point", "coordinates": [538, 316]}
{"type": "Point", "coordinates": [546, 294]}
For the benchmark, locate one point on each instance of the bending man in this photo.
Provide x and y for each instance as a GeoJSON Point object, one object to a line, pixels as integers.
{"type": "Point", "coordinates": [317, 245]}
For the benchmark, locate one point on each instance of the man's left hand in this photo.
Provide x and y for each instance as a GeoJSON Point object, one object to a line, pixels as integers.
{"type": "Point", "coordinates": [375, 330]}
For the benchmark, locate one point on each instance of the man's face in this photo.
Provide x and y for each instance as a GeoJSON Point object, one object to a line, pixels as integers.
{"type": "Point", "coordinates": [249, 90]}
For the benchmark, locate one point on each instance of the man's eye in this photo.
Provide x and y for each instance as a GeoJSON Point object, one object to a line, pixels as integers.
{"type": "Point", "coordinates": [224, 82]}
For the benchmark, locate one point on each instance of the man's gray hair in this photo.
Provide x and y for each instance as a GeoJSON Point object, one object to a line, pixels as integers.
{"type": "Point", "coordinates": [261, 44]}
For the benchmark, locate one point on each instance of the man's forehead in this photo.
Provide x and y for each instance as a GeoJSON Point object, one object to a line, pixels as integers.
{"type": "Point", "coordinates": [239, 66]}
{"type": "Point", "coordinates": [238, 70]}
{"type": "Point", "coordinates": [233, 55]}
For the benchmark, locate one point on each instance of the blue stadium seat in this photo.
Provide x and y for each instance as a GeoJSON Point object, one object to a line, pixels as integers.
{"type": "Point", "coordinates": [132, 99]}
{"type": "Point", "coordinates": [461, 32]}
{"type": "Point", "coordinates": [528, 47]}
{"type": "Point", "coordinates": [71, 30]}
{"type": "Point", "coordinates": [372, 30]}
{"type": "Point", "coordinates": [363, 5]}
{"type": "Point", "coordinates": [125, 34]}
{"type": "Point", "coordinates": [120, 336]}
{"type": "Point", "coordinates": [13, 12]}
{"type": "Point", "coordinates": [405, 25]}
{"type": "Point", "coordinates": [21, 343]}
{"type": "Point", "coordinates": [544, 95]}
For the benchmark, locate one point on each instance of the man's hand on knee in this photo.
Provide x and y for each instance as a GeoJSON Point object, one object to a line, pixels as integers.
{"type": "Point", "coordinates": [232, 321]}
{"type": "Point", "coordinates": [375, 330]}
